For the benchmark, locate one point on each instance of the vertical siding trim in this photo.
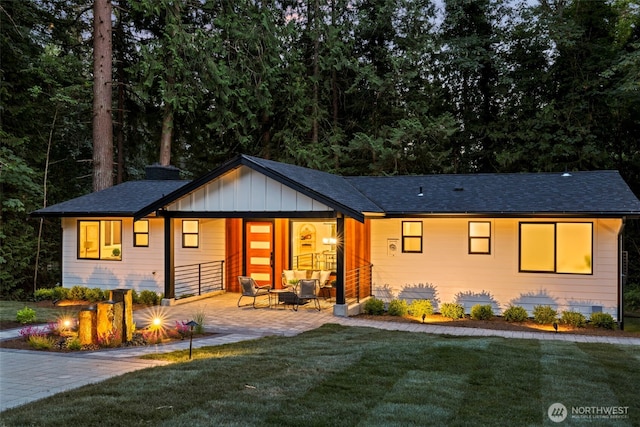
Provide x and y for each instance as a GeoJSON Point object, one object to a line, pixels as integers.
{"type": "Point", "coordinates": [234, 260]}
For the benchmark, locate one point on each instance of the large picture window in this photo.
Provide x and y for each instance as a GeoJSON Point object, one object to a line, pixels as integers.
{"type": "Point", "coordinates": [479, 237]}
{"type": "Point", "coordinates": [190, 233]}
{"type": "Point", "coordinates": [100, 240]}
{"type": "Point", "coordinates": [412, 236]}
{"type": "Point", "coordinates": [563, 247]}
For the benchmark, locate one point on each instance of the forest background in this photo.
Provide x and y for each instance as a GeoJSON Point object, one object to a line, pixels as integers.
{"type": "Point", "coordinates": [353, 87]}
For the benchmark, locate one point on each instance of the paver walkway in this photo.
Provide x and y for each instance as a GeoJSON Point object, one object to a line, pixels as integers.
{"type": "Point", "coordinates": [26, 376]}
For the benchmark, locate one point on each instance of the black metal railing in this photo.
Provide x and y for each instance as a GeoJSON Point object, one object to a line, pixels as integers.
{"type": "Point", "coordinates": [198, 279]}
{"type": "Point", "coordinates": [357, 283]}
{"type": "Point", "coordinates": [315, 261]}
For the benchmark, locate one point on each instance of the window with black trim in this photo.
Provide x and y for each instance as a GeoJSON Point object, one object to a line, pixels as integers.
{"type": "Point", "coordinates": [412, 236]}
{"type": "Point", "coordinates": [190, 233]}
{"type": "Point", "coordinates": [562, 247]}
{"type": "Point", "coordinates": [141, 233]}
{"type": "Point", "coordinates": [100, 239]}
{"type": "Point", "coordinates": [480, 237]}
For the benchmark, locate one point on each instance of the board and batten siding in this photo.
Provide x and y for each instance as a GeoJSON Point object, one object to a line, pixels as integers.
{"type": "Point", "coordinates": [246, 190]}
{"type": "Point", "coordinates": [141, 268]}
{"type": "Point", "coordinates": [446, 265]}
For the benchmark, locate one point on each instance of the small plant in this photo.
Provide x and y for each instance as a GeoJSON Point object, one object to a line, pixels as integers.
{"type": "Point", "coordinates": [544, 314]}
{"type": "Point", "coordinates": [603, 320]}
{"type": "Point", "coordinates": [182, 329]}
{"type": "Point", "coordinates": [41, 342]}
{"type": "Point", "coordinates": [374, 306]}
{"type": "Point", "coordinates": [148, 297]}
{"type": "Point", "coordinates": [515, 313]}
{"type": "Point", "coordinates": [199, 317]}
{"type": "Point", "coordinates": [28, 331]}
{"type": "Point", "coordinates": [77, 293]}
{"type": "Point", "coordinates": [420, 308]}
{"type": "Point", "coordinates": [26, 315]}
{"type": "Point", "coordinates": [398, 307]}
{"type": "Point", "coordinates": [109, 338]}
{"type": "Point", "coordinates": [481, 312]}
{"type": "Point", "coordinates": [452, 310]}
{"type": "Point", "coordinates": [573, 318]}
{"type": "Point", "coordinates": [73, 343]}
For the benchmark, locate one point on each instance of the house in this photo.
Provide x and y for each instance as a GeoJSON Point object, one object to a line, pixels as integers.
{"type": "Point", "coordinates": [501, 239]}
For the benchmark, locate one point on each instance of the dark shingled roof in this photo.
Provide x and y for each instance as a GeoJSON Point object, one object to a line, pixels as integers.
{"type": "Point", "coordinates": [121, 200]}
{"type": "Point", "coordinates": [597, 192]}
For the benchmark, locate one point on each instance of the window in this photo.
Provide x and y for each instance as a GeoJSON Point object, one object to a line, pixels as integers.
{"type": "Point", "coordinates": [141, 233]}
{"type": "Point", "coordinates": [412, 236]}
{"type": "Point", "coordinates": [100, 240]}
{"type": "Point", "coordinates": [479, 237]}
{"type": "Point", "coordinates": [190, 233]}
{"type": "Point", "coordinates": [563, 247]}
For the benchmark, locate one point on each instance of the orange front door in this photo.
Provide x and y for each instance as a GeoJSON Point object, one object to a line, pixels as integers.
{"type": "Point", "coordinates": [259, 250]}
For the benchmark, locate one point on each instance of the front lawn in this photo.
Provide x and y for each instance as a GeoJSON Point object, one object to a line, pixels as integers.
{"type": "Point", "coordinates": [346, 376]}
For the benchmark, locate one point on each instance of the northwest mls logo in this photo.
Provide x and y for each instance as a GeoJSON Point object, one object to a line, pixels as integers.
{"type": "Point", "coordinates": [557, 412]}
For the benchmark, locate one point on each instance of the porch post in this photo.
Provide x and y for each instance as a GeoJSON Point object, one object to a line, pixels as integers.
{"type": "Point", "coordinates": [169, 270]}
{"type": "Point", "coordinates": [340, 244]}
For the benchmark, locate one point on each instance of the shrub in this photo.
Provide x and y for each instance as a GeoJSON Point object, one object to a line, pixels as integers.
{"type": "Point", "coordinates": [73, 343]}
{"type": "Point", "coordinates": [632, 299]}
{"type": "Point", "coordinates": [199, 317]}
{"type": "Point", "coordinates": [603, 320]}
{"type": "Point", "coordinates": [41, 342]}
{"type": "Point", "coordinates": [481, 312]}
{"type": "Point", "coordinates": [420, 307]}
{"type": "Point", "coordinates": [135, 298]}
{"type": "Point", "coordinates": [94, 295]}
{"type": "Point", "coordinates": [544, 314]}
{"type": "Point", "coordinates": [60, 293]}
{"type": "Point", "coordinates": [398, 307]}
{"type": "Point", "coordinates": [148, 298]}
{"type": "Point", "coordinates": [26, 315]}
{"type": "Point", "coordinates": [452, 310]}
{"type": "Point", "coordinates": [44, 294]}
{"type": "Point", "coordinates": [77, 293]}
{"type": "Point", "coordinates": [573, 318]}
{"type": "Point", "coordinates": [515, 313]}
{"type": "Point", "coordinates": [374, 306]}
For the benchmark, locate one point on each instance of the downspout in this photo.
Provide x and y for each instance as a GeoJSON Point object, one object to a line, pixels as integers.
{"type": "Point", "coordinates": [620, 281]}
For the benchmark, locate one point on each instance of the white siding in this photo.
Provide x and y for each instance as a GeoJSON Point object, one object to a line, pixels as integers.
{"type": "Point", "coordinates": [141, 268]}
{"type": "Point", "coordinates": [446, 264]}
{"type": "Point", "coordinates": [243, 190]}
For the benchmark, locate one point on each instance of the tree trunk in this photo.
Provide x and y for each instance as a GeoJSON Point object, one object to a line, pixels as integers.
{"type": "Point", "coordinates": [167, 135]}
{"type": "Point", "coordinates": [102, 123]}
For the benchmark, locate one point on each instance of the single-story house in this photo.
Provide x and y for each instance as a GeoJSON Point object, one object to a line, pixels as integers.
{"type": "Point", "coordinates": [503, 239]}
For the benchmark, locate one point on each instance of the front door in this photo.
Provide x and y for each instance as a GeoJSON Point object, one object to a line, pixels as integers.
{"type": "Point", "coordinates": [259, 250]}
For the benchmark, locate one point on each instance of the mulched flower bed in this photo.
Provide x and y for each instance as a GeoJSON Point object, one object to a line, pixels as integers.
{"type": "Point", "coordinates": [498, 323]}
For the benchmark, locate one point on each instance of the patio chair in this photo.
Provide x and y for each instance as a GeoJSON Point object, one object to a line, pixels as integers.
{"type": "Point", "coordinates": [306, 291]}
{"type": "Point", "coordinates": [251, 289]}
{"type": "Point", "coordinates": [324, 284]}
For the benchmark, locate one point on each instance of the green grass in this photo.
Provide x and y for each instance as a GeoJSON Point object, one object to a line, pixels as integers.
{"type": "Point", "coordinates": [347, 376]}
{"type": "Point", "coordinates": [8, 310]}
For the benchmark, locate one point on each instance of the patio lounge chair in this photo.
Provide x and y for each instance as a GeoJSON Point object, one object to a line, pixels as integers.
{"type": "Point", "coordinates": [306, 291]}
{"type": "Point", "coordinates": [251, 289]}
